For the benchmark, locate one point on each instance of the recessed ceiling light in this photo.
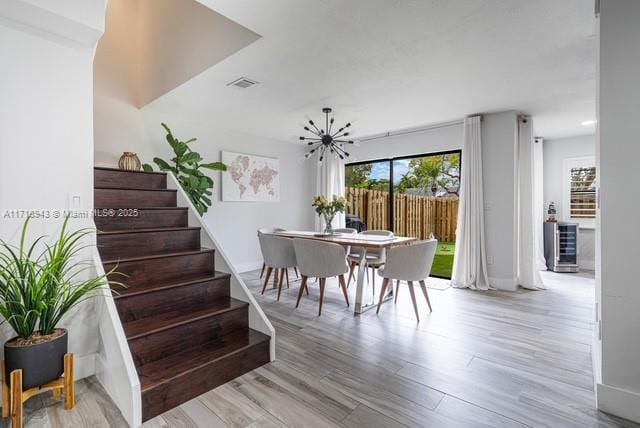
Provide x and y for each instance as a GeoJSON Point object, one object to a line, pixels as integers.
{"type": "Point", "coordinates": [589, 122]}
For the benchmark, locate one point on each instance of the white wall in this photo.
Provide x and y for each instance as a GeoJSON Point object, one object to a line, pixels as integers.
{"type": "Point", "coordinates": [499, 136]}
{"type": "Point", "coordinates": [46, 128]}
{"type": "Point", "coordinates": [555, 181]}
{"type": "Point", "coordinates": [118, 123]}
{"type": "Point", "coordinates": [617, 147]}
{"type": "Point", "coordinates": [433, 140]}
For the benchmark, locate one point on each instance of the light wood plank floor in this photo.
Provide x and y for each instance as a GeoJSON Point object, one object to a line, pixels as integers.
{"type": "Point", "coordinates": [481, 359]}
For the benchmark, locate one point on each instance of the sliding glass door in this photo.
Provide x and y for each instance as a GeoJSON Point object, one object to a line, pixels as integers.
{"type": "Point", "coordinates": [413, 196]}
{"type": "Point", "coordinates": [368, 188]}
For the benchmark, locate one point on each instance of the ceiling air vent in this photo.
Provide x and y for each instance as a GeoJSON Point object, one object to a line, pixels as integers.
{"type": "Point", "coordinates": [242, 82]}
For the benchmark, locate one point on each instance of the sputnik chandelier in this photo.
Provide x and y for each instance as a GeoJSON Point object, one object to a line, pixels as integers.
{"type": "Point", "coordinates": [324, 142]}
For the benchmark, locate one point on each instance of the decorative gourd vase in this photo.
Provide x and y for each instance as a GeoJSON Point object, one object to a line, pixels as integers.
{"type": "Point", "coordinates": [129, 162]}
{"type": "Point", "coordinates": [328, 219]}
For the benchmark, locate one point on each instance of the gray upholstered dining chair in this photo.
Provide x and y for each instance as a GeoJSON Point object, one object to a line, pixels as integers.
{"type": "Point", "coordinates": [375, 258]}
{"type": "Point", "coordinates": [278, 254]}
{"type": "Point", "coordinates": [267, 230]}
{"type": "Point", "coordinates": [274, 230]}
{"type": "Point", "coordinates": [345, 230]}
{"type": "Point", "coordinates": [321, 260]}
{"type": "Point", "coordinates": [409, 263]}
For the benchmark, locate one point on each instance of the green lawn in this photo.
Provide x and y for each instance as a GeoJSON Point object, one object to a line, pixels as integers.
{"type": "Point", "coordinates": [443, 261]}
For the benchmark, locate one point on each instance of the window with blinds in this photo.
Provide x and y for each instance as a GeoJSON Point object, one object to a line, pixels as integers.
{"type": "Point", "coordinates": [583, 192]}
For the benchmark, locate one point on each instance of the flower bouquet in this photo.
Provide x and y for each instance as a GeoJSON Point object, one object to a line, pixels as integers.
{"type": "Point", "coordinates": [328, 210]}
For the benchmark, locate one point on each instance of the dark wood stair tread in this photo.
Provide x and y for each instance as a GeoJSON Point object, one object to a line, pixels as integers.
{"type": "Point", "coordinates": [159, 286]}
{"type": "Point", "coordinates": [146, 208]}
{"type": "Point", "coordinates": [166, 320]}
{"type": "Point", "coordinates": [148, 230]}
{"type": "Point", "coordinates": [158, 256]}
{"type": "Point", "coordinates": [185, 333]}
{"type": "Point", "coordinates": [176, 365]}
{"type": "Point", "coordinates": [104, 168]}
{"type": "Point", "coordinates": [135, 189]}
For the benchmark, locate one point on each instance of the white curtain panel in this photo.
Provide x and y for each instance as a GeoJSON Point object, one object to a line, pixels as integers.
{"type": "Point", "coordinates": [529, 203]}
{"type": "Point", "coordinates": [470, 260]}
{"type": "Point", "coordinates": [540, 209]}
{"type": "Point", "coordinates": [329, 182]}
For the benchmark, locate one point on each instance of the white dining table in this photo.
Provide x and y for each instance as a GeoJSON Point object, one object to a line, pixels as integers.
{"type": "Point", "coordinates": [365, 292]}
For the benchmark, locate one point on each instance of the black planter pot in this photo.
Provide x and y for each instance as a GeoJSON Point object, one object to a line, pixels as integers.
{"type": "Point", "coordinates": [40, 363]}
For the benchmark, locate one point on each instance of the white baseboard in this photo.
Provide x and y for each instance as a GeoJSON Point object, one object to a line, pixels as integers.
{"type": "Point", "coordinates": [619, 402]}
{"type": "Point", "coordinates": [248, 266]}
{"type": "Point", "coordinates": [84, 366]}
{"type": "Point", "coordinates": [507, 284]}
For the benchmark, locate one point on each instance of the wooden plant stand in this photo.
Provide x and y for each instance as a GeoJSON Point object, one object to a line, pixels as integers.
{"type": "Point", "coordinates": [13, 397]}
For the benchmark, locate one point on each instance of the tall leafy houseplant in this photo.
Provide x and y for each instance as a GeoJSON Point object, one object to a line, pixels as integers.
{"type": "Point", "coordinates": [37, 289]}
{"type": "Point", "coordinates": [187, 166]}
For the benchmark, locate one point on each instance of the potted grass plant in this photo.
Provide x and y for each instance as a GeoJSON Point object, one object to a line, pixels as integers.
{"type": "Point", "coordinates": [39, 284]}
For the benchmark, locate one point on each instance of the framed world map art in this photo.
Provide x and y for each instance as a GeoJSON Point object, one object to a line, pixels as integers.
{"type": "Point", "coordinates": [250, 178]}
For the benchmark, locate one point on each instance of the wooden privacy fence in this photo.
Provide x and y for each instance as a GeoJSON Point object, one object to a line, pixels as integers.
{"type": "Point", "coordinates": [417, 216]}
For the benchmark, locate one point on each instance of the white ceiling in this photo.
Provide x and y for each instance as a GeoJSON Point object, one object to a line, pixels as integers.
{"type": "Point", "coordinates": [393, 64]}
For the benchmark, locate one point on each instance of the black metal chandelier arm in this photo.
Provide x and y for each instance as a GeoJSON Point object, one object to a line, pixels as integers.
{"type": "Point", "coordinates": [337, 132]}
{"type": "Point", "coordinates": [322, 153]}
{"type": "Point", "coordinates": [342, 149]}
{"type": "Point", "coordinates": [344, 134]}
{"type": "Point", "coordinates": [309, 138]}
{"type": "Point", "coordinates": [316, 128]}
{"type": "Point", "coordinates": [310, 152]}
{"type": "Point", "coordinates": [318, 134]}
{"type": "Point", "coordinates": [340, 152]}
{"type": "Point", "coordinates": [344, 141]}
{"type": "Point", "coordinates": [330, 126]}
{"type": "Point", "coordinates": [341, 129]}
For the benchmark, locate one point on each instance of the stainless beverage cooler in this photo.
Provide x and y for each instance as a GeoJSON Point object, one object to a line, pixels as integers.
{"type": "Point", "coordinates": [561, 246]}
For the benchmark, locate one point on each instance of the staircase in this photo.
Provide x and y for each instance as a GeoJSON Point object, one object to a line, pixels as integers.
{"type": "Point", "coordinates": [186, 334]}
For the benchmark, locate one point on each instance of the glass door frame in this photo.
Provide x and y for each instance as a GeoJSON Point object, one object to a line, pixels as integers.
{"type": "Point", "coordinates": [391, 175]}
